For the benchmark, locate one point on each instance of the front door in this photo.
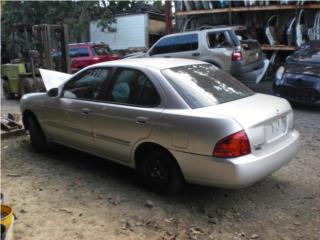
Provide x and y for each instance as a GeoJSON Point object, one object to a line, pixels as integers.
{"type": "Point", "coordinates": [68, 118]}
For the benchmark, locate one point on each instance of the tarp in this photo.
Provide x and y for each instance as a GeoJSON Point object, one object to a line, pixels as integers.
{"type": "Point", "coordinates": [53, 79]}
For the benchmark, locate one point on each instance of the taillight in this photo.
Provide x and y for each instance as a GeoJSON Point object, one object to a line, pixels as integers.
{"type": "Point", "coordinates": [234, 145]}
{"type": "Point", "coordinates": [236, 56]}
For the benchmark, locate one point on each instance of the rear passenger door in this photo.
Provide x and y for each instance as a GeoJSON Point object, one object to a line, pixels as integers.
{"type": "Point", "coordinates": [180, 46]}
{"type": "Point", "coordinates": [130, 108]}
{"type": "Point", "coordinates": [221, 47]}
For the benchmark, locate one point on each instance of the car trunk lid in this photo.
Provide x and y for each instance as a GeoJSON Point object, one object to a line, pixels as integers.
{"type": "Point", "coordinates": [250, 50]}
{"type": "Point", "coordinates": [265, 119]}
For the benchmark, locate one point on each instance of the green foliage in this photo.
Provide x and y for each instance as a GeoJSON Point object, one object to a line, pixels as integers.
{"type": "Point", "coordinates": [119, 6]}
{"type": "Point", "coordinates": [76, 14]}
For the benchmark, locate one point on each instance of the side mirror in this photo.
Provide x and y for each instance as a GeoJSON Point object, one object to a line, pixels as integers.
{"type": "Point", "coordinates": [53, 92]}
{"type": "Point", "coordinates": [239, 37]}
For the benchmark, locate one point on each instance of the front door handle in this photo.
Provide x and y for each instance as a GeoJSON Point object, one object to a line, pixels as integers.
{"type": "Point", "coordinates": [85, 111]}
{"type": "Point", "coordinates": [195, 54]}
{"type": "Point", "coordinates": [141, 120]}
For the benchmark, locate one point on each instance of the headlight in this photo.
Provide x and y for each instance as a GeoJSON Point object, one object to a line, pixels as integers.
{"type": "Point", "coordinates": [280, 72]}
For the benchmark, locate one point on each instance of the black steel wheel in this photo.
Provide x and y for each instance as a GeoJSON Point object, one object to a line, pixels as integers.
{"type": "Point", "coordinates": [38, 140]}
{"type": "Point", "coordinates": [162, 173]}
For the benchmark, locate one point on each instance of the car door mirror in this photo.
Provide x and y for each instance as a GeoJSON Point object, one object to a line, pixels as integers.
{"type": "Point", "coordinates": [53, 92]}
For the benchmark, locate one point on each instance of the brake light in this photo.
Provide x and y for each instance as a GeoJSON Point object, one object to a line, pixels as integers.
{"type": "Point", "coordinates": [234, 145]}
{"type": "Point", "coordinates": [236, 56]}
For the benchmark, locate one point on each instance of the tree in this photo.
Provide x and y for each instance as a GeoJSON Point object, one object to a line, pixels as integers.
{"type": "Point", "coordinates": [76, 14]}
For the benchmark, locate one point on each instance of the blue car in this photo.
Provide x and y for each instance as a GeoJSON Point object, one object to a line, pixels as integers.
{"type": "Point", "coordinates": [299, 79]}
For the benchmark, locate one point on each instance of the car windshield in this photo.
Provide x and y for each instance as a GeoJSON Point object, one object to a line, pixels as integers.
{"type": "Point", "coordinates": [204, 85]}
{"type": "Point", "coordinates": [101, 50]}
{"type": "Point", "coordinates": [308, 53]}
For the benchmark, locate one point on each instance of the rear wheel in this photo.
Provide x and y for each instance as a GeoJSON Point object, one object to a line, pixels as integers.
{"type": "Point", "coordinates": [6, 90]}
{"type": "Point", "coordinates": [38, 140]}
{"type": "Point", "coordinates": [161, 172]}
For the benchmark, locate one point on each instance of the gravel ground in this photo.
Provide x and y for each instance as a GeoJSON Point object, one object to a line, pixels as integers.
{"type": "Point", "coordinates": [66, 194]}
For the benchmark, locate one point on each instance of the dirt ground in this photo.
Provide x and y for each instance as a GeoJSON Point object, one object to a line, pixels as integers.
{"type": "Point", "coordinates": [66, 194]}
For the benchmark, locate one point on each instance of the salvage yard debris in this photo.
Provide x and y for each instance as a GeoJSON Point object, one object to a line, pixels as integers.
{"type": "Point", "coordinates": [11, 122]}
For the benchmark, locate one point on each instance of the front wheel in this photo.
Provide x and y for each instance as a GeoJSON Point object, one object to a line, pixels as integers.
{"type": "Point", "coordinates": [6, 90]}
{"type": "Point", "coordinates": [38, 140]}
{"type": "Point", "coordinates": [162, 173]}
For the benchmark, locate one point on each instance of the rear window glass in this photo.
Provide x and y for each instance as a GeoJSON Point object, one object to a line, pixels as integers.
{"type": "Point", "coordinates": [219, 40]}
{"type": "Point", "coordinates": [205, 85]}
{"type": "Point", "coordinates": [101, 50]}
{"type": "Point", "coordinates": [79, 52]}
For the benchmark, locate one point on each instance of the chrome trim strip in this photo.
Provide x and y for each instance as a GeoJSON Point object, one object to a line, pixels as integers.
{"type": "Point", "coordinates": [111, 139]}
{"type": "Point", "coordinates": [74, 130]}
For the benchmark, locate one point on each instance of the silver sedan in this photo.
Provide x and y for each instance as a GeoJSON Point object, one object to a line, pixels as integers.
{"type": "Point", "coordinates": [174, 120]}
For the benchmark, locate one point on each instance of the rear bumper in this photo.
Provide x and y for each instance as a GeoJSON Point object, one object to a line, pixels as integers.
{"type": "Point", "coordinates": [237, 172]}
{"type": "Point", "coordinates": [252, 73]}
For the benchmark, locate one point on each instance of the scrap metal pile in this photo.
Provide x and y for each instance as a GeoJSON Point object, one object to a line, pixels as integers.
{"type": "Point", "coordinates": [11, 122]}
{"type": "Point", "coordinates": [292, 29]}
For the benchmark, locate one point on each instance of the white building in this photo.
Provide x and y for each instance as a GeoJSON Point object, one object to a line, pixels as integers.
{"type": "Point", "coordinates": [132, 31]}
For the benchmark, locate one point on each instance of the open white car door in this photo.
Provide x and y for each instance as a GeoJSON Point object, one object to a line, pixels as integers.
{"type": "Point", "coordinates": [53, 79]}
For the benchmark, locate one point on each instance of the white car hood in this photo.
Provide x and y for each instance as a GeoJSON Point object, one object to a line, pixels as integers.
{"type": "Point", "coordinates": [53, 79]}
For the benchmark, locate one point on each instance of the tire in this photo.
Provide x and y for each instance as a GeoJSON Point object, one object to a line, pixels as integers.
{"type": "Point", "coordinates": [25, 87]}
{"type": "Point", "coordinates": [6, 90]}
{"type": "Point", "coordinates": [38, 140]}
{"type": "Point", "coordinates": [162, 173]}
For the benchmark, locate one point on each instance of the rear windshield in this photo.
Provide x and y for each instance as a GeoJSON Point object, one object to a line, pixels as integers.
{"type": "Point", "coordinates": [101, 50]}
{"type": "Point", "coordinates": [205, 85]}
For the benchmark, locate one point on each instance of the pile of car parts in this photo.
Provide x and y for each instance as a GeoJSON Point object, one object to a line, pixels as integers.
{"type": "Point", "coordinates": [11, 122]}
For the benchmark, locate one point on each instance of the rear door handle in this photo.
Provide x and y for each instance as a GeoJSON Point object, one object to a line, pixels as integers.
{"type": "Point", "coordinates": [141, 120]}
{"type": "Point", "coordinates": [85, 111]}
{"type": "Point", "coordinates": [195, 54]}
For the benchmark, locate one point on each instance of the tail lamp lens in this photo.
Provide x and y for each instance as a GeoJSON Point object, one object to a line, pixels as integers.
{"type": "Point", "coordinates": [236, 56]}
{"type": "Point", "coordinates": [234, 145]}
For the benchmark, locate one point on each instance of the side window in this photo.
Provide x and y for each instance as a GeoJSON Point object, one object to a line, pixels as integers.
{"type": "Point", "coordinates": [79, 52]}
{"type": "Point", "coordinates": [187, 43]}
{"type": "Point", "coordinates": [181, 43]}
{"type": "Point", "coordinates": [218, 40]}
{"type": "Point", "coordinates": [134, 88]}
{"type": "Point", "coordinates": [148, 95]}
{"type": "Point", "coordinates": [165, 45]}
{"type": "Point", "coordinates": [87, 86]}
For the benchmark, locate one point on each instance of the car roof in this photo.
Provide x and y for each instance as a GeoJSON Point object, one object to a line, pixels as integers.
{"type": "Point", "coordinates": [157, 63]}
{"type": "Point", "coordinates": [213, 28]}
{"type": "Point", "coordinates": [86, 44]}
